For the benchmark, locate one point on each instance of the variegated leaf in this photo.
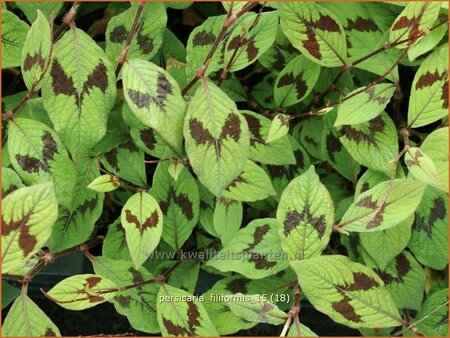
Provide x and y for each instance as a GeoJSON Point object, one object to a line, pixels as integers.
{"type": "Point", "coordinates": [248, 44]}
{"type": "Point", "coordinates": [315, 31]}
{"type": "Point", "coordinates": [81, 292]}
{"type": "Point", "coordinates": [421, 166]}
{"type": "Point", "coordinates": [28, 215]}
{"type": "Point", "coordinates": [384, 206]}
{"type": "Point", "coordinates": [373, 144]}
{"type": "Point", "coordinates": [79, 91]}
{"type": "Point", "coordinates": [295, 81]}
{"type": "Point", "coordinates": [429, 93]}
{"type": "Point", "coordinates": [142, 220]}
{"type": "Point", "coordinates": [305, 216]}
{"type": "Point", "coordinates": [155, 99]}
{"type": "Point", "coordinates": [39, 156]}
{"type": "Point", "coordinates": [217, 138]}
{"type": "Point", "coordinates": [404, 278]}
{"type": "Point", "coordinates": [147, 38]}
{"type": "Point", "coordinates": [36, 51]}
{"type": "Point", "coordinates": [179, 202]}
{"type": "Point", "coordinates": [254, 252]}
{"type": "Point", "coordinates": [350, 293]}
{"type": "Point", "coordinates": [251, 185]}
{"type": "Point", "coordinates": [429, 241]}
{"type": "Point", "coordinates": [415, 20]}
{"type": "Point", "coordinates": [362, 105]}
{"type": "Point", "coordinates": [184, 317]}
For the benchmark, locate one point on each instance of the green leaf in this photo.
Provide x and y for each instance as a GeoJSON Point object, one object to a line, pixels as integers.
{"type": "Point", "coordinates": [300, 331]}
{"type": "Point", "coordinates": [371, 178]}
{"type": "Point", "coordinates": [207, 205]}
{"type": "Point", "coordinates": [142, 220]}
{"type": "Point", "coordinates": [309, 138]}
{"type": "Point", "coordinates": [10, 181]}
{"type": "Point", "coordinates": [255, 308]}
{"type": "Point", "coordinates": [245, 44]}
{"type": "Point", "coordinates": [421, 167]}
{"type": "Point", "coordinates": [200, 43]}
{"type": "Point", "coordinates": [178, 4]}
{"type": "Point", "coordinates": [314, 31]}
{"type": "Point", "coordinates": [144, 137]}
{"type": "Point", "coordinates": [279, 53]}
{"type": "Point", "coordinates": [181, 314]}
{"type": "Point", "coordinates": [429, 241]}
{"type": "Point", "coordinates": [184, 276]}
{"type": "Point", "coordinates": [429, 93]}
{"type": "Point", "coordinates": [233, 88]}
{"type": "Point", "coordinates": [282, 175]}
{"type": "Point", "coordinates": [175, 169]}
{"type": "Point", "coordinates": [433, 315]}
{"type": "Point", "coordinates": [278, 128]}
{"type": "Point", "coordinates": [83, 291]}
{"type": "Point", "coordinates": [33, 110]}
{"type": "Point", "coordinates": [416, 19]}
{"type": "Point", "coordinates": [36, 51]}
{"type": "Point", "coordinates": [234, 6]}
{"type": "Point", "coordinates": [116, 133]}
{"type": "Point", "coordinates": [362, 105]}
{"type": "Point", "coordinates": [27, 218]}
{"type": "Point", "coordinates": [384, 206]}
{"type": "Point", "coordinates": [251, 185]}
{"type": "Point", "coordinates": [373, 144]}
{"type": "Point", "coordinates": [254, 252]}
{"type": "Point", "coordinates": [278, 152]}
{"type": "Point", "coordinates": [305, 216]}
{"type": "Point", "coordinates": [137, 304]}
{"type": "Point", "coordinates": [76, 222]}
{"type": "Point", "coordinates": [404, 278]}
{"type": "Point", "coordinates": [115, 244]}
{"type": "Point", "coordinates": [127, 162]}
{"type": "Point", "coordinates": [429, 41]}
{"type": "Point", "coordinates": [335, 153]}
{"type": "Point", "coordinates": [383, 246]}
{"type": "Point", "coordinates": [364, 32]}
{"type": "Point", "coordinates": [179, 201]}
{"type": "Point", "coordinates": [79, 91]}
{"type": "Point", "coordinates": [9, 293]}
{"type": "Point", "coordinates": [350, 293]}
{"type": "Point", "coordinates": [14, 34]}
{"type": "Point", "coordinates": [295, 81]}
{"type": "Point", "coordinates": [105, 183]}
{"type": "Point", "coordinates": [217, 306]}
{"type": "Point", "coordinates": [217, 138]}
{"type": "Point", "coordinates": [38, 156]}
{"type": "Point", "coordinates": [147, 38]}
{"type": "Point", "coordinates": [155, 99]}
{"type": "Point", "coordinates": [30, 9]}
{"type": "Point", "coordinates": [436, 147]}
{"type": "Point", "coordinates": [227, 219]}
{"type": "Point", "coordinates": [172, 51]}
{"type": "Point", "coordinates": [26, 319]}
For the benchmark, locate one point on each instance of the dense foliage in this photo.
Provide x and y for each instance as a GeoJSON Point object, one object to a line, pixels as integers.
{"type": "Point", "coordinates": [296, 151]}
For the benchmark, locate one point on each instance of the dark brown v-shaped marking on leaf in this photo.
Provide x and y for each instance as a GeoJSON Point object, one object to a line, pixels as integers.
{"type": "Point", "coordinates": [63, 84]}
{"type": "Point", "coordinates": [30, 61]}
{"type": "Point", "coordinates": [202, 136]}
{"type": "Point", "coordinates": [26, 241]}
{"type": "Point", "coordinates": [98, 79]}
{"type": "Point", "coordinates": [150, 222]}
